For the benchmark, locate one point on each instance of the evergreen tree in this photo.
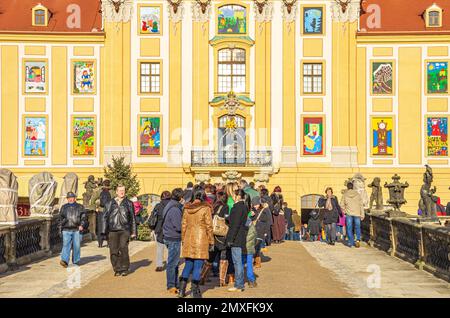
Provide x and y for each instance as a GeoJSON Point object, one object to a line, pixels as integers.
{"type": "Point", "coordinates": [121, 173]}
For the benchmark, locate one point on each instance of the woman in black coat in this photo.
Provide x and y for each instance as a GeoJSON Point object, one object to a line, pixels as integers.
{"type": "Point", "coordinates": [331, 215]}
{"type": "Point", "coordinates": [237, 236]}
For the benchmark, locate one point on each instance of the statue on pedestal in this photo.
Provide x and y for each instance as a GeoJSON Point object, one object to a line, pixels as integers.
{"type": "Point", "coordinates": [8, 197]}
{"type": "Point", "coordinates": [377, 194]}
{"type": "Point", "coordinates": [396, 193]}
{"type": "Point", "coordinates": [90, 185]}
{"type": "Point", "coordinates": [427, 203]}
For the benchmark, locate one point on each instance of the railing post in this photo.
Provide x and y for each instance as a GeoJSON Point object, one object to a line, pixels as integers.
{"type": "Point", "coordinates": [421, 261]}
{"type": "Point", "coordinates": [12, 246]}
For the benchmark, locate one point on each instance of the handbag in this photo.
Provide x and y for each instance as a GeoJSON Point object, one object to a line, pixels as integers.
{"type": "Point", "coordinates": [220, 228]}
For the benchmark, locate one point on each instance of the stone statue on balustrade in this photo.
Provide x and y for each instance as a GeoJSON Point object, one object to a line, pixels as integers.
{"type": "Point", "coordinates": [41, 192]}
{"type": "Point", "coordinates": [8, 197]}
{"type": "Point", "coordinates": [70, 184]}
{"type": "Point", "coordinates": [90, 185]}
{"type": "Point", "coordinates": [359, 184]}
{"type": "Point", "coordinates": [396, 195]}
{"type": "Point", "coordinates": [427, 202]}
{"type": "Point", "coordinates": [377, 194]}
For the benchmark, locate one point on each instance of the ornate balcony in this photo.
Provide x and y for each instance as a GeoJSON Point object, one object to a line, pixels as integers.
{"type": "Point", "coordinates": [231, 159]}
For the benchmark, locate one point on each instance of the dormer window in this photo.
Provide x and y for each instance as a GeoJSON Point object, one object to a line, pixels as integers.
{"type": "Point", "coordinates": [40, 15]}
{"type": "Point", "coordinates": [433, 17]}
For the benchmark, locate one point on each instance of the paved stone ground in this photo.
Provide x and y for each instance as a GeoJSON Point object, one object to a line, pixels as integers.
{"type": "Point", "coordinates": [46, 278]}
{"type": "Point", "coordinates": [287, 271]}
{"type": "Point", "coordinates": [357, 268]}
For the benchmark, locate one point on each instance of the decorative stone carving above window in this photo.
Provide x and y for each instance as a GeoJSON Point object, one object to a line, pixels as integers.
{"type": "Point", "coordinates": [345, 10]}
{"type": "Point", "coordinates": [117, 10]}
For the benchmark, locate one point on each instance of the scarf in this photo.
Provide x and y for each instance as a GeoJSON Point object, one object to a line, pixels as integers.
{"type": "Point", "coordinates": [329, 205]}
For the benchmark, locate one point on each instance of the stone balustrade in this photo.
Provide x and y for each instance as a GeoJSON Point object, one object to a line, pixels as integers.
{"type": "Point", "coordinates": [426, 245]}
{"type": "Point", "coordinates": [33, 238]}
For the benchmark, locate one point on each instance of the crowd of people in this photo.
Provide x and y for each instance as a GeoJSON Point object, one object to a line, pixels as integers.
{"type": "Point", "coordinates": [219, 230]}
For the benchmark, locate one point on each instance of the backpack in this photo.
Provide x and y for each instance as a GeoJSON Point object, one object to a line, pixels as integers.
{"type": "Point", "coordinates": [153, 219]}
{"type": "Point", "coordinates": [105, 197]}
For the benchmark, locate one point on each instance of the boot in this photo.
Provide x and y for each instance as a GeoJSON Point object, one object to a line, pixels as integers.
{"type": "Point", "coordinates": [257, 262]}
{"type": "Point", "coordinates": [182, 290]}
{"type": "Point", "coordinates": [223, 268]}
{"type": "Point", "coordinates": [195, 289]}
{"type": "Point", "coordinates": [231, 279]}
{"type": "Point", "coordinates": [205, 271]}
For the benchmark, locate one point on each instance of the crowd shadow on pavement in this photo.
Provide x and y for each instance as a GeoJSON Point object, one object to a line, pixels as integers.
{"type": "Point", "coordinates": [90, 259]}
{"type": "Point", "coordinates": [16, 270]}
{"type": "Point", "coordinates": [136, 265]}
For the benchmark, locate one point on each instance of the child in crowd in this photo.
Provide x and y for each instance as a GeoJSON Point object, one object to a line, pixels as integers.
{"type": "Point", "coordinates": [314, 226]}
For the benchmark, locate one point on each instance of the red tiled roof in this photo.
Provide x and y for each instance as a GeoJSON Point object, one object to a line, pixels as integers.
{"type": "Point", "coordinates": [402, 16]}
{"type": "Point", "coordinates": [16, 15]}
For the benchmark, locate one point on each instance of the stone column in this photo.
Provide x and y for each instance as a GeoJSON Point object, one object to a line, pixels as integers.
{"type": "Point", "coordinates": [345, 22]}
{"type": "Point", "coordinates": [115, 66]}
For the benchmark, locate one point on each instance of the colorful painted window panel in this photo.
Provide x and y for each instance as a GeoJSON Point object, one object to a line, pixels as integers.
{"type": "Point", "coordinates": [382, 136]}
{"type": "Point", "coordinates": [437, 136]}
{"type": "Point", "coordinates": [149, 135]}
{"type": "Point", "coordinates": [84, 77]}
{"type": "Point", "coordinates": [312, 20]}
{"type": "Point", "coordinates": [232, 19]}
{"type": "Point", "coordinates": [35, 136]}
{"type": "Point", "coordinates": [35, 77]}
{"type": "Point", "coordinates": [83, 136]}
{"type": "Point", "coordinates": [382, 78]}
{"type": "Point", "coordinates": [150, 20]}
{"type": "Point", "coordinates": [437, 77]}
{"type": "Point", "coordinates": [313, 136]}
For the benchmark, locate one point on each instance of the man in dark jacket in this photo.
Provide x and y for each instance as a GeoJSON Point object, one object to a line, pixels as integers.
{"type": "Point", "coordinates": [289, 223]}
{"type": "Point", "coordinates": [73, 220]}
{"type": "Point", "coordinates": [119, 224]}
{"type": "Point", "coordinates": [158, 213]}
{"type": "Point", "coordinates": [314, 226]}
{"type": "Point", "coordinates": [171, 228]}
{"type": "Point", "coordinates": [236, 239]}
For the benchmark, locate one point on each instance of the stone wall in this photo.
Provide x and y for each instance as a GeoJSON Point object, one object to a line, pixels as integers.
{"type": "Point", "coordinates": [426, 245]}
{"type": "Point", "coordinates": [32, 239]}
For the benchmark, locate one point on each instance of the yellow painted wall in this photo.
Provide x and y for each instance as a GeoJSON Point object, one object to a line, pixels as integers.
{"type": "Point", "coordinates": [10, 105]}
{"type": "Point", "coordinates": [410, 105]}
{"type": "Point", "coordinates": [59, 105]}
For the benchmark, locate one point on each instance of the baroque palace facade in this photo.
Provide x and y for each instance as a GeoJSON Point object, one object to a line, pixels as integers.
{"type": "Point", "coordinates": [297, 93]}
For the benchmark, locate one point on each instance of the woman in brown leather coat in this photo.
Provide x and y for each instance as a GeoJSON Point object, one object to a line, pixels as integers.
{"type": "Point", "coordinates": [197, 239]}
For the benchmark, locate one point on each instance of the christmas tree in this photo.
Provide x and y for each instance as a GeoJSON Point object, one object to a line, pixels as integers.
{"type": "Point", "coordinates": [121, 173]}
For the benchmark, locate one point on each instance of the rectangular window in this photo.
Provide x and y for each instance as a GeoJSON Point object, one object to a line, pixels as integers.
{"type": "Point", "coordinates": [312, 78]}
{"type": "Point", "coordinates": [434, 19]}
{"type": "Point", "coordinates": [150, 74]}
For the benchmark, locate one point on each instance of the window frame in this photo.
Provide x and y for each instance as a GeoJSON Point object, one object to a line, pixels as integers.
{"type": "Point", "coordinates": [322, 76]}
{"type": "Point", "coordinates": [150, 75]}
{"type": "Point", "coordinates": [231, 62]}
{"type": "Point", "coordinates": [36, 13]}
{"type": "Point", "coordinates": [433, 9]}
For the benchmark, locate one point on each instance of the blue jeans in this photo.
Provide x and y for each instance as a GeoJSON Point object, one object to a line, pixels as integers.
{"type": "Point", "coordinates": [71, 240]}
{"type": "Point", "coordinates": [290, 234]}
{"type": "Point", "coordinates": [193, 266]}
{"type": "Point", "coordinates": [297, 236]}
{"type": "Point", "coordinates": [173, 258]}
{"type": "Point", "coordinates": [236, 253]}
{"type": "Point", "coordinates": [248, 259]}
{"type": "Point", "coordinates": [356, 221]}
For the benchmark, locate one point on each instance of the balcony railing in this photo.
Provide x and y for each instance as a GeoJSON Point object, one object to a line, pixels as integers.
{"type": "Point", "coordinates": [231, 159]}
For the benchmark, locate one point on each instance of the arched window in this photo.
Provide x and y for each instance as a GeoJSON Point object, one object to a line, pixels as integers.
{"type": "Point", "coordinates": [434, 18]}
{"type": "Point", "coordinates": [39, 15]}
{"type": "Point", "coordinates": [231, 70]}
{"type": "Point", "coordinates": [231, 139]}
